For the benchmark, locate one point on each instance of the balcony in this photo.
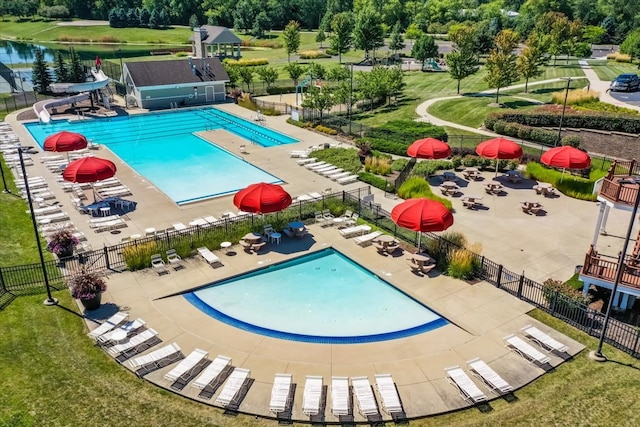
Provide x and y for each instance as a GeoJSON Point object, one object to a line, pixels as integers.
{"type": "Point", "coordinates": [603, 267]}
{"type": "Point", "coordinates": [612, 190]}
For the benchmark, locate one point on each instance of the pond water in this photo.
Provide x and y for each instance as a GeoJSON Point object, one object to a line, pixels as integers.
{"type": "Point", "coordinates": [12, 52]}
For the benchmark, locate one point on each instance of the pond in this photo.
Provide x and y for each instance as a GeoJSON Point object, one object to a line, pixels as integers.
{"type": "Point", "coordinates": [13, 53]}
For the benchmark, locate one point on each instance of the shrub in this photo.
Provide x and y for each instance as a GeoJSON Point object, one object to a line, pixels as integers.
{"type": "Point", "coordinates": [416, 186]}
{"type": "Point", "coordinates": [246, 62]}
{"type": "Point", "coordinates": [399, 164]}
{"type": "Point", "coordinates": [280, 90]}
{"type": "Point", "coordinates": [460, 264]}
{"type": "Point", "coordinates": [619, 57]}
{"type": "Point", "coordinates": [603, 106]}
{"type": "Point", "coordinates": [272, 44]}
{"type": "Point", "coordinates": [427, 168]}
{"type": "Point", "coordinates": [313, 54]}
{"type": "Point", "coordinates": [331, 52]}
{"type": "Point", "coordinates": [570, 185]}
{"type": "Point", "coordinates": [575, 96]}
{"type": "Point", "coordinates": [326, 130]}
{"type": "Point", "coordinates": [138, 256]}
{"type": "Point", "coordinates": [250, 104]}
{"type": "Point", "coordinates": [344, 158]}
{"type": "Point", "coordinates": [376, 181]}
{"type": "Point", "coordinates": [441, 249]}
{"type": "Point", "coordinates": [571, 140]}
{"type": "Point", "coordinates": [552, 286]}
{"type": "Point", "coordinates": [304, 125]}
{"type": "Point", "coordinates": [378, 165]}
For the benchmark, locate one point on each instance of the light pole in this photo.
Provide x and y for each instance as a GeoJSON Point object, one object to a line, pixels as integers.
{"type": "Point", "coordinates": [350, 94]}
{"type": "Point", "coordinates": [4, 181]}
{"type": "Point", "coordinates": [564, 108]}
{"type": "Point", "coordinates": [50, 299]}
{"type": "Point", "coordinates": [597, 355]}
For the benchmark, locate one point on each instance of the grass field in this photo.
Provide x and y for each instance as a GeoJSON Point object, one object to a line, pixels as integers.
{"type": "Point", "coordinates": [609, 70]}
{"type": "Point", "coordinates": [53, 375]}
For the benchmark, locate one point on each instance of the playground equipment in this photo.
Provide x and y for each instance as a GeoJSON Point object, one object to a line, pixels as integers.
{"type": "Point", "coordinates": [432, 65]}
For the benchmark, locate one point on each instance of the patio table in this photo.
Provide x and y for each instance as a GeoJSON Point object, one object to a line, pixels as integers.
{"type": "Point", "coordinates": [252, 237]}
{"type": "Point", "coordinates": [296, 224]}
{"type": "Point", "coordinates": [385, 239]}
{"type": "Point", "coordinates": [422, 258]}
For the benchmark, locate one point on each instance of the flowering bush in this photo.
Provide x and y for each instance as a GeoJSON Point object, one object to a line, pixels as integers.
{"type": "Point", "coordinates": [86, 285]}
{"type": "Point", "coordinates": [62, 241]}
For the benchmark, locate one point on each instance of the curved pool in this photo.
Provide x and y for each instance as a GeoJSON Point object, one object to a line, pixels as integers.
{"type": "Point", "coordinates": [323, 297]}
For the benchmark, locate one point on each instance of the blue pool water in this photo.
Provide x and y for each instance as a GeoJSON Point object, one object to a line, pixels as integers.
{"type": "Point", "coordinates": [322, 297]}
{"type": "Point", "coordinates": [162, 147]}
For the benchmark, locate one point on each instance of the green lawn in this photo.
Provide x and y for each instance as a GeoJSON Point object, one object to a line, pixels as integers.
{"type": "Point", "coordinates": [53, 375]}
{"type": "Point", "coordinates": [471, 111]}
{"type": "Point", "coordinates": [609, 70]}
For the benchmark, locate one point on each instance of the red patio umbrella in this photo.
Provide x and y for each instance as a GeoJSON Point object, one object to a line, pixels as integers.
{"type": "Point", "coordinates": [566, 157]}
{"type": "Point", "coordinates": [429, 148]}
{"type": "Point", "coordinates": [262, 198]}
{"type": "Point", "coordinates": [499, 149]}
{"type": "Point", "coordinates": [65, 141]}
{"type": "Point", "coordinates": [422, 215]}
{"type": "Point", "coordinates": [89, 169]}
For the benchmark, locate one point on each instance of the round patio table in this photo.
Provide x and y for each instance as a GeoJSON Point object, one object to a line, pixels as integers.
{"type": "Point", "coordinates": [420, 257]}
{"type": "Point", "coordinates": [252, 237]}
{"type": "Point", "coordinates": [385, 238]}
{"type": "Point", "coordinates": [296, 224]}
{"type": "Point", "coordinates": [545, 185]}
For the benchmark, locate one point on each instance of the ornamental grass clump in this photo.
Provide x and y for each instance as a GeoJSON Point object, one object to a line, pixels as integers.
{"type": "Point", "coordinates": [86, 285]}
{"type": "Point", "coordinates": [62, 242]}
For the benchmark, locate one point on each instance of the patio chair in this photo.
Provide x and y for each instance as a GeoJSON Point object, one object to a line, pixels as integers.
{"type": "Point", "coordinates": [280, 393]}
{"type": "Point", "coordinates": [543, 340]}
{"type": "Point", "coordinates": [525, 350]}
{"type": "Point", "coordinates": [364, 395]}
{"type": "Point", "coordinates": [174, 259]}
{"type": "Point", "coordinates": [129, 328]}
{"type": "Point", "coordinates": [109, 324]}
{"type": "Point", "coordinates": [466, 387]}
{"type": "Point", "coordinates": [318, 218]}
{"type": "Point", "coordinates": [352, 220]}
{"type": "Point", "coordinates": [367, 238]}
{"type": "Point", "coordinates": [232, 386]}
{"type": "Point", "coordinates": [135, 342]}
{"type": "Point", "coordinates": [169, 354]}
{"type": "Point", "coordinates": [209, 256]}
{"type": "Point", "coordinates": [257, 246]}
{"type": "Point", "coordinates": [327, 215]}
{"type": "Point", "coordinates": [340, 396]}
{"type": "Point", "coordinates": [267, 230]}
{"type": "Point", "coordinates": [388, 393]}
{"type": "Point", "coordinates": [481, 370]}
{"type": "Point", "coordinates": [379, 247]}
{"type": "Point", "coordinates": [212, 372]}
{"type": "Point", "coordinates": [183, 369]}
{"type": "Point", "coordinates": [312, 395]}
{"type": "Point", "coordinates": [158, 264]}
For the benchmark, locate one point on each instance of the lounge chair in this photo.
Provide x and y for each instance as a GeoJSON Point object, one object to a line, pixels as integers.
{"type": "Point", "coordinates": [134, 342]}
{"type": "Point", "coordinates": [525, 350]}
{"type": "Point", "coordinates": [306, 161]}
{"type": "Point", "coordinates": [210, 219]}
{"type": "Point", "coordinates": [171, 352]}
{"type": "Point", "coordinates": [340, 396]}
{"type": "Point", "coordinates": [543, 340]}
{"type": "Point", "coordinates": [333, 171]}
{"type": "Point", "coordinates": [280, 393]}
{"type": "Point", "coordinates": [100, 219]}
{"type": "Point", "coordinates": [364, 395]}
{"type": "Point", "coordinates": [339, 175]}
{"type": "Point", "coordinates": [209, 256]}
{"type": "Point", "coordinates": [200, 222]}
{"type": "Point", "coordinates": [212, 372]}
{"type": "Point", "coordinates": [349, 222]}
{"type": "Point", "coordinates": [347, 179]}
{"type": "Point", "coordinates": [158, 264]}
{"type": "Point", "coordinates": [232, 386]}
{"type": "Point", "coordinates": [108, 324]}
{"type": "Point", "coordinates": [46, 210]}
{"type": "Point", "coordinates": [367, 238]}
{"type": "Point", "coordinates": [174, 259]}
{"type": "Point", "coordinates": [312, 395]}
{"type": "Point", "coordinates": [388, 393]}
{"type": "Point", "coordinates": [115, 191]}
{"type": "Point", "coordinates": [357, 230]}
{"type": "Point", "coordinates": [466, 387]}
{"type": "Point", "coordinates": [315, 165]}
{"type": "Point", "coordinates": [299, 153]}
{"type": "Point", "coordinates": [187, 365]}
{"type": "Point", "coordinates": [129, 328]}
{"type": "Point", "coordinates": [52, 217]}
{"type": "Point", "coordinates": [108, 225]}
{"type": "Point", "coordinates": [227, 215]}
{"type": "Point", "coordinates": [481, 370]}
{"type": "Point", "coordinates": [180, 227]}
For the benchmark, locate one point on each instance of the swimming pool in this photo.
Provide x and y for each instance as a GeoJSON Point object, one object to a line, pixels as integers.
{"type": "Point", "coordinates": [322, 297]}
{"type": "Point", "coordinates": [162, 147]}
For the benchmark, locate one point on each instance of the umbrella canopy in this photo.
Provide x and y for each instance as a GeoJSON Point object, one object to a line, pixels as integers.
{"type": "Point", "coordinates": [65, 141]}
{"type": "Point", "coordinates": [429, 148]}
{"type": "Point", "coordinates": [262, 198]}
{"type": "Point", "coordinates": [566, 157]}
{"type": "Point", "coordinates": [499, 148]}
{"type": "Point", "coordinates": [422, 215]}
{"type": "Point", "coordinates": [89, 169]}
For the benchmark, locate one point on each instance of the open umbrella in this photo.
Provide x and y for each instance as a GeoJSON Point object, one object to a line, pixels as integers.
{"type": "Point", "coordinates": [89, 169]}
{"type": "Point", "coordinates": [566, 157]}
{"type": "Point", "coordinates": [429, 148]}
{"type": "Point", "coordinates": [422, 215]}
{"type": "Point", "coordinates": [262, 198]}
{"type": "Point", "coordinates": [64, 142]}
{"type": "Point", "coordinates": [499, 149]}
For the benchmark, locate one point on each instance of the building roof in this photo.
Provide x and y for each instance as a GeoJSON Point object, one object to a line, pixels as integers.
{"type": "Point", "coordinates": [217, 35]}
{"type": "Point", "coordinates": [175, 72]}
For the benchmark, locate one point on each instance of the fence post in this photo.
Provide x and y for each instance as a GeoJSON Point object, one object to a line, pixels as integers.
{"type": "Point", "coordinates": [634, 353]}
{"type": "Point", "coordinates": [552, 307]}
{"type": "Point", "coordinates": [520, 285]}
{"type": "Point", "coordinates": [2, 281]}
{"type": "Point", "coordinates": [499, 278]}
{"type": "Point", "coordinates": [106, 257]}
{"type": "Point", "coordinates": [483, 275]}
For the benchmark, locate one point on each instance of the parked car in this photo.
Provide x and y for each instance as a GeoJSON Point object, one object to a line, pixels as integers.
{"type": "Point", "coordinates": [626, 82]}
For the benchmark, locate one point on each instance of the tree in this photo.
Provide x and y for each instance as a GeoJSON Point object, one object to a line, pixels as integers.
{"type": "Point", "coordinates": [556, 27]}
{"type": "Point", "coordinates": [631, 45]}
{"type": "Point", "coordinates": [368, 33]}
{"type": "Point", "coordinates": [463, 59]}
{"type": "Point", "coordinates": [338, 73]}
{"type": "Point", "coordinates": [233, 71]}
{"type": "Point", "coordinates": [295, 71]}
{"type": "Point", "coordinates": [247, 76]}
{"type": "Point", "coordinates": [62, 75]}
{"type": "Point", "coordinates": [396, 41]}
{"type": "Point", "coordinates": [342, 38]}
{"type": "Point", "coordinates": [41, 78]}
{"type": "Point", "coordinates": [153, 19]}
{"type": "Point", "coordinates": [412, 32]}
{"type": "Point", "coordinates": [144, 16]}
{"type": "Point", "coordinates": [193, 22]}
{"type": "Point", "coordinates": [133, 18]}
{"type": "Point", "coordinates": [321, 37]}
{"type": "Point", "coordinates": [243, 15]}
{"type": "Point", "coordinates": [261, 24]}
{"type": "Point", "coordinates": [343, 94]}
{"type": "Point", "coordinates": [424, 48]}
{"type": "Point", "coordinates": [291, 36]}
{"type": "Point", "coordinates": [531, 59]}
{"type": "Point", "coordinates": [318, 99]}
{"type": "Point", "coordinates": [268, 75]}
{"type": "Point", "coordinates": [316, 71]}
{"type": "Point", "coordinates": [76, 71]}
{"type": "Point", "coordinates": [501, 64]}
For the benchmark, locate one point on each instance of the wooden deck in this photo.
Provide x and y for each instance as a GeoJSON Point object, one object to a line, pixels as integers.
{"type": "Point", "coordinates": [615, 192]}
{"type": "Point", "coordinates": [605, 268]}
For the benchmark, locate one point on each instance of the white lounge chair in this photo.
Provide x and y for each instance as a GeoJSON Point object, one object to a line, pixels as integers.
{"type": "Point", "coordinates": [315, 165]}
{"type": "Point", "coordinates": [200, 222]}
{"type": "Point", "coordinates": [53, 217]}
{"type": "Point", "coordinates": [158, 264]}
{"type": "Point", "coordinates": [128, 328]}
{"type": "Point", "coordinates": [171, 352]}
{"type": "Point", "coordinates": [133, 342]}
{"type": "Point", "coordinates": [364, 395]}
{"type": "Point", "coordinates": [525, 350]}
{"type": "Point", "coordinates": [280, 393]}
{"type": "Point", "coordinates": [327, 168]}
{"type": "Point", "coordinates": [212, 372]}
{"type": "Point", "coordinates": [108, 225]}
{"type": "Point", "coordinates": [46, 210]}
{"type": "Point", "coordinates": [186, 365]}
{"type": "Point", "coordinates": [331, 172]}
{"type": "Point", "coordinates": [338, 175]}
{"type": "Point", "coordinates": [312, 395]}
{"type": "Point", "coordinates": [320, 166]}
{"type": "Point", "coordinates": [543, 340]}
{"type": "Point", "coordinates": [227, 215]}
{"type": "Point", "coordinates": [306, 161]}
{"type": "Point", "coordinates": [347, 179]}
{"type": "Point", "coordinates": [109, 324]}
{"type": "Point", "coordinates": [100, 219]}
{"type": "Point", "coordinates": [356, 230]}
{"type": "Point", "coordinates": [339, 396]}
{"type": "Point", "coordinates": [174, 259]}
{"type": "Point", "coordinates": [209, 256]}
{"type": "Point", "coordinates": [179, 227]}
{"type": "Point", "coordinates": [232, 386]}
{"type": "Point", "coordinates": [466, 387]}
{"type": "Point", "coordinates": [115, 191]}
{"type": "Point", "coordinates": [388, 392]}
{"type": "Point", "coordinates": [367, 238]}
{"type": "Point", "coordinates": [210, 219]}
{"type": "Point", "coordinates": [299, 153]}
{"type": "Point", "coordinates": [481, 370]}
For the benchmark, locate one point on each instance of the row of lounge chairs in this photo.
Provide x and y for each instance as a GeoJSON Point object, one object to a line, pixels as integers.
{"type": "Point", "coordinates": [328, 170]}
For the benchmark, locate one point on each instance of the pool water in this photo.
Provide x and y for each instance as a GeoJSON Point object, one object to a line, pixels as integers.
{"type": "Point", "coordinates": [322, 297]}
{"type": "Point", "coordinates": [162, 148]}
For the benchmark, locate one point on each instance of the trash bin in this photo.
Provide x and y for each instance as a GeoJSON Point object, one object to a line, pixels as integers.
{"type": "Point", "coordinates": [578, 269]}
{"type": "Point", "coordinates": [326, 145]}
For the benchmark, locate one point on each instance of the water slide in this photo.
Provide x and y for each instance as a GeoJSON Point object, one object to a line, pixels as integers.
{"type": "Point", "coordinates": [40, 108]}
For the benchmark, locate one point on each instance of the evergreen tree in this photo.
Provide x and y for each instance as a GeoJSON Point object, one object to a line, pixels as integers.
{"type": "Point", "coordinates": [40, 76]}
{"type": "Point", "coordinates": [193, 22]}
{"type": "Point", "coordinates": [144, 17]}
{"type": "Point", "coordinates": [122, 18]}
{"type": "Point", "coordinates": [501, 64]}
{"type": "Point", "coordinates": [163, 19]}
{"type": "Point", "coordinates": [133, 18]}
{"type": "Point", "coordinates": [76, 71]}
{"type": "Point", "coordinates": [153, 19]}
{"type": "Point", "coordinates": [62, 75]}
{"type": "Point", "coordinates": [342, 37]}
{"type": "Point", "coordinates": [291, 36]}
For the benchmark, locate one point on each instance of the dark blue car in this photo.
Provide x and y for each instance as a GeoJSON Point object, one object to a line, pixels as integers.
{"type": "Point", "coordinates": [626, 82]}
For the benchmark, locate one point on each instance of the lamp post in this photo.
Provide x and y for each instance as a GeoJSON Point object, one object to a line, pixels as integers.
{"type": "Point", "coordinates": [350, 93]}
{"type": "Point", "coordinates": [50, 299]}
{"type": "Point", "coordinates": [597, 355]}
{"type": "Point", "coordinates": [4, 181]}
{"type": "Point", "coordinates": [564, 108]}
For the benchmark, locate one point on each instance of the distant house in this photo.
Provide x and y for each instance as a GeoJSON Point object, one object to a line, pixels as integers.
{"type": "Point", "coordinates": [209, 40]}
{"type": "Point", "coordinates": [163, 84]}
